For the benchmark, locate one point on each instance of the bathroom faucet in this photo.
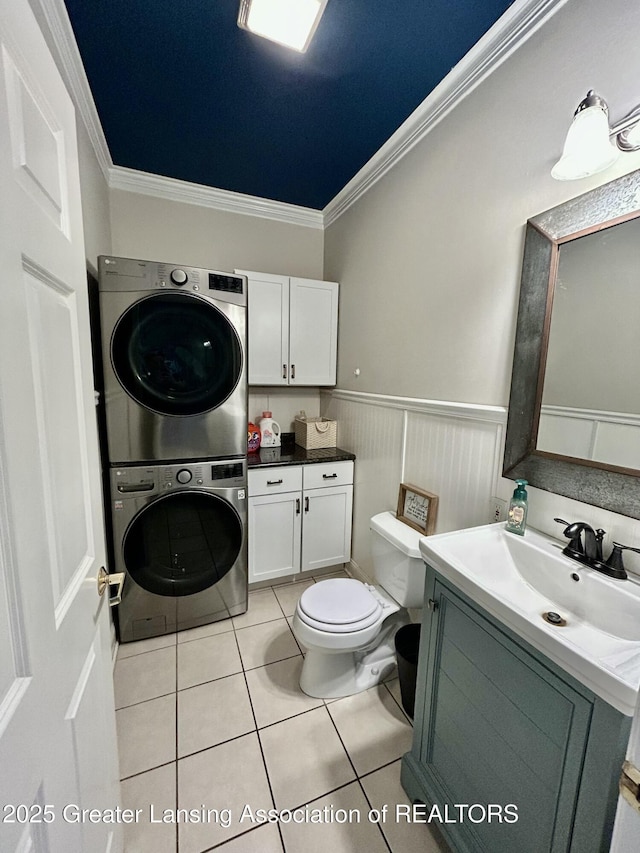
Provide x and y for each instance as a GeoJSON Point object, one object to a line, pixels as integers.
{"type": "Point", "coordinates": [592, 538]}
{"type": "Point", "coordinates": [591, 553]}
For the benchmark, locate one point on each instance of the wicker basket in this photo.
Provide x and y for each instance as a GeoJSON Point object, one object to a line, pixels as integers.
{"type": "Point", "coordinates": [313, 433]}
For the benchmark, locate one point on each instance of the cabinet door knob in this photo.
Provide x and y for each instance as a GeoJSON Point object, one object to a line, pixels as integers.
{"type": "Point", "coordinates": [433, 604]}
{"type": "Point", "coordinates": [306, 504]}
{"type": "Point", "coordinates": [329, 476]}
{"type": "Point", "coordinates": [297, 506]}
{"type": "Point", "coordinates": [274, 482]}
{"type": "Point", "coordinates": [293, 371]}
{"type": "Point", "coordinates": [284, 371]}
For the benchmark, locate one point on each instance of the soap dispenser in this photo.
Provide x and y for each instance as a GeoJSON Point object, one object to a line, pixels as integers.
{"type": "Point", "coordinates": [517, 514]}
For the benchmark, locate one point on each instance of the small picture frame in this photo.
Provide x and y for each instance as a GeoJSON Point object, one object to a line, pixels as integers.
{"type": "Point", "coordinates": [417, 508]}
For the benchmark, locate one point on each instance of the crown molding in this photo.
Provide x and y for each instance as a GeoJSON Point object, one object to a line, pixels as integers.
{"type": "Point", "coordinates": [517, 24]}
{"type": "Point", "coordinates": [132, 180]}
{"type": "Point", "coordinates": [54, 20]}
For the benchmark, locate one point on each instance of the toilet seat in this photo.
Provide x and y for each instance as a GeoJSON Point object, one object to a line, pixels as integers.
{"type": "Point", "coordinates": [339, 605]}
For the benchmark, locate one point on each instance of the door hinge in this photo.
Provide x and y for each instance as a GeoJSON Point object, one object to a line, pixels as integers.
{"type": "Point", "coordinates": [630, 785]}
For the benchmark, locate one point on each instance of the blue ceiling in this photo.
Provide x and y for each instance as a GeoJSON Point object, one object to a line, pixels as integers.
{"type": "Point", "coordinates": [182, 92]}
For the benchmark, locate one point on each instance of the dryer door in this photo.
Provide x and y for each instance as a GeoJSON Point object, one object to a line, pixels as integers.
{"type": "Point", "coordinates": [182, 543]}
{"type": "Point", "coordinates": [176, 354]}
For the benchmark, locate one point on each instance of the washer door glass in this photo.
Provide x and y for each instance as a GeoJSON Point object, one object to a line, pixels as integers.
{"type": "Point", "coordinates": [176, 354]}
{"type": "Point", "coordinates": [183, 543]}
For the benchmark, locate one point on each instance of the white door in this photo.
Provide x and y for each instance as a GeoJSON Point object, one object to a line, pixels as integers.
{"type": "Point", "coordinates": [313, 331]}
{"type": "Point", "coordinates": [57, 723]}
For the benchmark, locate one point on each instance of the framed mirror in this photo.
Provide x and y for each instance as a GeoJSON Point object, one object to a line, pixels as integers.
{"type": "Point", "coordinates": [574, 411]}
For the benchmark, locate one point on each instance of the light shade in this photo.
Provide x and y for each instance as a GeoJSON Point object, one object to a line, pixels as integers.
{"type": "Point", "coordinates": [587, 149]}
{"type": "Point", "coordinates": [291, 23]}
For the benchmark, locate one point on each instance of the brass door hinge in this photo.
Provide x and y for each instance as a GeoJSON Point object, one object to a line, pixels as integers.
{"type": "Point", "coordinates": [630, 784]}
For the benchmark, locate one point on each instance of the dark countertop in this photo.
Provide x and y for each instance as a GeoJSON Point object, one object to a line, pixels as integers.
{"type": "Point", "coordinates": [292, 454]}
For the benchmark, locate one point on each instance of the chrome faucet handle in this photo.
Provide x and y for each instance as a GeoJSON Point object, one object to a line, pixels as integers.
{"type": "Point", "coordinates": [615, 562]}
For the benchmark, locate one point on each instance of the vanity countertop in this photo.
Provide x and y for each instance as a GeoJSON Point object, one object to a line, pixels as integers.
{"type": "Point", "coordinates": [292, 454]}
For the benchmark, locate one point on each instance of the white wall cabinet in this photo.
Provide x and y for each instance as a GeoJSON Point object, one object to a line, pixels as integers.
{"type": "Point", "coordinates": [292, 330]}
{"type": "Point", "coordinates": [299, 518]}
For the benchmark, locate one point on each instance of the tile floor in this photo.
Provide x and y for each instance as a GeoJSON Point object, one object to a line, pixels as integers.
{"type": "Point", "coordinates": [213, 719]}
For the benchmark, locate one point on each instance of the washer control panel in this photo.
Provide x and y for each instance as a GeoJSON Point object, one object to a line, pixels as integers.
{"type": "Point", "coordinates": [121, 274]}
{"type": "Point", "coordinates": [140, 480]}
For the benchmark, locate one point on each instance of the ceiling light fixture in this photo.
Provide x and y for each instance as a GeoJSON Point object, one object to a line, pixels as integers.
{"type": "Point", "coordinates": [291, 23]}
{"type": "Point", "coordinates": [591, 145]}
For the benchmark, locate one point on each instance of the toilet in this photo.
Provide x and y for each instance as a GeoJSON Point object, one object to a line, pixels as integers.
{"type": "Point", "coordinates": [348, 627]}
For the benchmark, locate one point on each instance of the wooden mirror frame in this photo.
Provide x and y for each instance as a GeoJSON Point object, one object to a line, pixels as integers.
{"type": "Point", "coordinates": [613, 488]}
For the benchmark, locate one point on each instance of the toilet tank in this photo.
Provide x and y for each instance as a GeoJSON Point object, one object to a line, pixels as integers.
{"type": "Point", "coordinates": [397, 563]}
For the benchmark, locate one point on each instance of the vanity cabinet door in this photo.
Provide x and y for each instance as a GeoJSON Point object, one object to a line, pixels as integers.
{"type": "Point", "coordinates": [274, 535]}
{"type": "Point", "coordinates": [498, 727]}
{"type": "Point", "coordinates": [326, 531]}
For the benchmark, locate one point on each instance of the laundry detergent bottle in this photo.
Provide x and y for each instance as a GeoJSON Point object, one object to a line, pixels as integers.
{"type": "Point", "coordinates": [269, 431]}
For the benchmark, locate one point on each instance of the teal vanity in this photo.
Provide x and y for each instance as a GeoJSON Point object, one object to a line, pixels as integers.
{"type": "Point", "coordinates": [512, 710]}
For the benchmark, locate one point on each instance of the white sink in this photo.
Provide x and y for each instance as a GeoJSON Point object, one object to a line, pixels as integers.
{"type": "Point", "coordinates": [519, 578]}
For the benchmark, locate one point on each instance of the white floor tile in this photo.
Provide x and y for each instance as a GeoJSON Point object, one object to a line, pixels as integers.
{"type": "Point", "coordinates": [263, 840]}
{"type": "Point", "coordinates": [156, 788]}
{"type": "Point", "coordinates": [263, 607]}
{"type": "Point", "coordinates": [146, 735]}
{"type": "Point", "coordinates": [305, 758]}
{"type": "Point", "coordinates": [355, 835]}
{"type": "Point", "coordinates": [266, 643]}
{"type": "Point", "coordinates": [393, 686]}
{"type": "Point", "coordinates": [212, 713]}
{"type": "Point", "coordinates": [338, 574]}
{"type": "Point", "coordinates": [383, 788]}
{"type": "Point", "coordinates": [275, 691]}
{"type": "Point", "coordinates": [145, 676]}
{"type": "Point", "coordinates": [220, 762]}
{"type": "Point", "coordinates": [229, 776]}
{"type": "Point", "coordinates": [127, 650]}
{"type": "Point", "coordinates": [289, 595]}
{"type": "Point", "coordinates": [210, 630]}
{"type": "Point", "coordinates": [373, 728]}
{"type": "Point", "coordinates": [206, 659]}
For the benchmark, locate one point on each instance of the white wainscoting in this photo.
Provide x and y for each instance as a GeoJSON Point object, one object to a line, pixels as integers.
{"type": "Point", "coordinates": [451, 449]}
{"type": "Point", "coordinates": [611, 437]}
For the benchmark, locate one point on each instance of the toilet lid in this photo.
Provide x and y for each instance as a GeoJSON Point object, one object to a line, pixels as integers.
{"type": "Point", "coordinates": [339, 605]}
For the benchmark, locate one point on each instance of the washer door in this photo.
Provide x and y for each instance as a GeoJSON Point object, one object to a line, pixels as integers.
{"type": "Point", "coordinates": [182, 543]}
{"type": "Point", "coordinates": [176, 354]}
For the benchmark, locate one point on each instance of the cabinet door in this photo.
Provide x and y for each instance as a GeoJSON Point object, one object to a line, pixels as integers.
{"type": "Point", "coordinates": [268, 328]}
{"type": "Point", "coordinates": [313, 331]}
{"type": "Point", "coordinates": [498, 727]}
{"type": "Point", "coordinates": [274, 535]}
{"type": "Point", "coordinates": [326, 533]}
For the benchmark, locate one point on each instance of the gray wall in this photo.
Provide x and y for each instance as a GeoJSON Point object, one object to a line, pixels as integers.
{"type": "Point", "coordinates": [164, 230]}
{"type": "Point", "coordinates": [429, 259]}
{"type": "Point", "coordinates": [95, 202]}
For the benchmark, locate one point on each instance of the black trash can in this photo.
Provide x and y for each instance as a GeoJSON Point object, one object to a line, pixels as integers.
{"type": "Point", "coordinates": [407, 642]}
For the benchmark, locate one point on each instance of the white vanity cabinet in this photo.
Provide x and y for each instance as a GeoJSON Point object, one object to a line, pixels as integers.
{"type": "Point", "coordinates": [292, 330]}
{"type": "Point", "coordinates": [299, 518]}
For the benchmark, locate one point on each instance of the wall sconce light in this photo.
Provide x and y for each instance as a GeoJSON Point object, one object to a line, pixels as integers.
{"type": "Point", "coordinates": [291, 23]}
{"type": "Point", "coordinates": [591, 145]}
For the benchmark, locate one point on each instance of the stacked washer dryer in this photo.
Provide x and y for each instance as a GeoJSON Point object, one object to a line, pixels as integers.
{"type": "Point", "coordinates": [175, 387]}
